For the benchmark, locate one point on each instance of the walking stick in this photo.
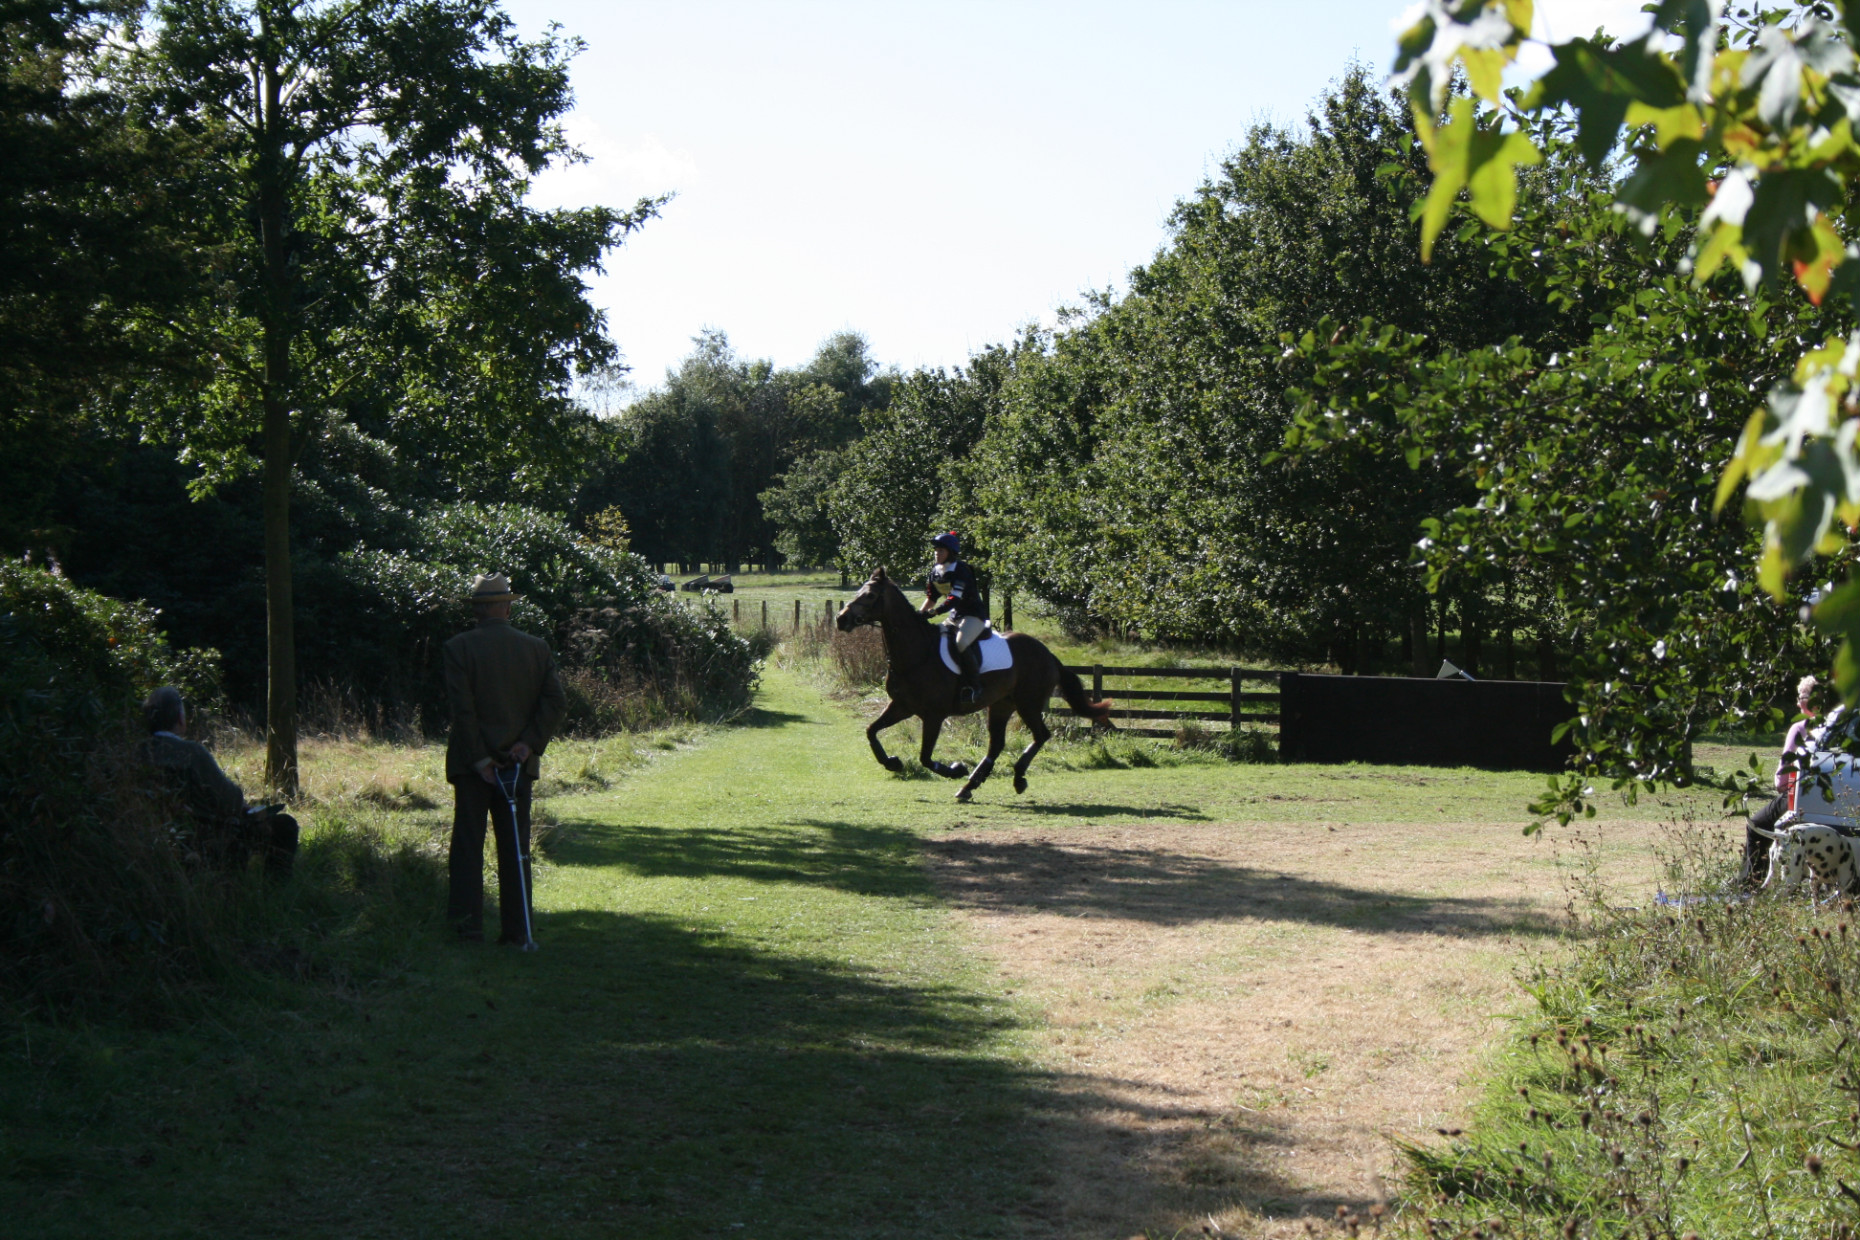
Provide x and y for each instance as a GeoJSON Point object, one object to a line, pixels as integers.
{"type": "Point", "coordinates": [509, 790]}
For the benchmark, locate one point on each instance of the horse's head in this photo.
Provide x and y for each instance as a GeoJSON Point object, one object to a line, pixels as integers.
{"type": "Point", "coordinates": [867, 606]}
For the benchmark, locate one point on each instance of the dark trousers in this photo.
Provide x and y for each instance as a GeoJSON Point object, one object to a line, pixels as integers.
{"type": "Point", "coordinates": [1757, 847]}
{"type": "Point", "coordinates": [472, 799]}
{"type": "Point", "coordinates": [271, 835]}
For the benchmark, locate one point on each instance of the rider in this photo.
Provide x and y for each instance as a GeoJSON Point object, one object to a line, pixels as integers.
{"type": "Point", "coordinates": [953, 582]}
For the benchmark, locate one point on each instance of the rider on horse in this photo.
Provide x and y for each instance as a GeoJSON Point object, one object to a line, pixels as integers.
{"type": "Point", "coordinates": [953, 583]}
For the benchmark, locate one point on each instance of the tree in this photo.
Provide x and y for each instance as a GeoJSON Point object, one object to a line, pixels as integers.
{"type": "Point", "coordinates": [799, 506]}
{"type": "Point", "coordinates": [691, 462]}
{"type": "Point", "coordinates": [1134, 475]}
{"type": "Point", "coordinates": [87, 242]}
{"type": "Point", "coordinates": [1741, 120]}
{"type": "Point", "coordinates": [902, 480]}
{"type": "Point", "coordinates": [360, 189]}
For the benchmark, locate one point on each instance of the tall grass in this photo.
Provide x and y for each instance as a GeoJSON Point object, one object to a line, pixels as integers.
{"type": "Point", "coordinates": [1693, 1069]}
{"type": "Point", "coordinates": [853, 662]}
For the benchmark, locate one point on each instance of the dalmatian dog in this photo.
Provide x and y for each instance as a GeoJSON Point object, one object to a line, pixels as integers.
{"type": "Point", "coordinates": [1816, 852]}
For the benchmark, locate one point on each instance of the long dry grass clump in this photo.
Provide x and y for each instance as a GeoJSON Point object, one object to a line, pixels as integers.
{"type": "Point", "coordinates": [1693, 1070]}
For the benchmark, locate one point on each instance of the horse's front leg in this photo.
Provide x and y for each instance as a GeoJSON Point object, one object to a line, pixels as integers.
{"type": "Point", "coordinates": [893, 713]}
{"type": "Point", "coordinates": [998, 716]}
{"type": "Point", "coordinates": [933, 728]}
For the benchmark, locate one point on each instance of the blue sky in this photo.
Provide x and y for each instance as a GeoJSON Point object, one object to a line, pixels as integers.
{"type": "Point", "coordinates": [932, 175]}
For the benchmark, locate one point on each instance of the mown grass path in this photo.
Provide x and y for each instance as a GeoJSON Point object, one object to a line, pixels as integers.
{"type": "Point", "coordinates": [756, 1013]}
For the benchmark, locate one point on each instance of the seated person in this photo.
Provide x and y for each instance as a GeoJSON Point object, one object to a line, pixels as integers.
{"type": "Point", "coordinates": [229, 829]}
{"type": "Point", "coordinates": [1812, 699]}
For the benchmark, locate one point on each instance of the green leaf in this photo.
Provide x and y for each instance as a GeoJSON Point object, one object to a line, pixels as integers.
{"type": "Point", "coordinates": [1481, 159]}
{"type": "Point", "coordinates": [1673, 176]}
{"type": "Point", "coordinates": [1781, 209]}
{"type": "Point", "coordinates": [1838, 615]}
{"type": "Point", "coordinates": [1599, 83]}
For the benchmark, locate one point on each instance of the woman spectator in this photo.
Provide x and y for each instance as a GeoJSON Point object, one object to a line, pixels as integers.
{"type": "Point", "coordinates": [1810, 699]}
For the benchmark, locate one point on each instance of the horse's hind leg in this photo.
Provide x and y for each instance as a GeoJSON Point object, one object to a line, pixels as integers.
{"type": "Point", "coordinates": [1036, 724]}
{"type": "Point", "coordinates": [894, 713]}
{"type": "Point", "coordinates": [998, 716]}
{"type": "Point", "coordinates": [933, 728]}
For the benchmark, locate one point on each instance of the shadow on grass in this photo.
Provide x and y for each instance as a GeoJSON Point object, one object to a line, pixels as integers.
{"type": "Point", "coordinates": [865, 860]}
{"type": "Point", "coordinates": [1166, 888]}
{"type": "Point", "coordinates": [763, 717]}
{"type": "Point", "coordinates": [1147, 813]}
{"type": "Point", "coordinates": [636, 1077]}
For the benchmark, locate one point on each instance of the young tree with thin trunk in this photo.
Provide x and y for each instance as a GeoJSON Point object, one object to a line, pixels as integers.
{"type": "Point", "coordinates": [362, 197]}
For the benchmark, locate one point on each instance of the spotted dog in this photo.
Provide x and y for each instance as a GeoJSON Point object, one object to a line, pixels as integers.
{"type": "Point", "coordinates": [1819, 853]}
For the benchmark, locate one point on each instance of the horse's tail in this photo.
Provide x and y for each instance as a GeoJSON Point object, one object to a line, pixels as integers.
{"type": "Point", "coordinates": [1073, 690]}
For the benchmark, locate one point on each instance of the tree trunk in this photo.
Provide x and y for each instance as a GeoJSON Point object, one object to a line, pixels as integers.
{"type": "Point", "coordinates": [1418, 643]}
{"type": "Point", "coordinates": [280, 627]}
{"type": "Point", "coordinates": [1471, 639]}
{"type": "Point", "coordinates": [1546, 655]}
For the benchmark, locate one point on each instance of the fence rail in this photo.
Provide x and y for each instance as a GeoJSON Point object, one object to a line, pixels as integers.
{"type": "Point", "coordinates": [1234, 697]}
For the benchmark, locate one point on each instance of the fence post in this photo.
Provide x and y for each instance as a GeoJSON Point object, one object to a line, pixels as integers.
{"type": "Point", "coordinates": [1097, 682]}
{"type": "Point", "coordinates": [1007, 609]}
{"type": "Point", "coordinates": [1234, 695]}
{"type": "Point", "coordinates": [736, 610]}
{"type": "Point", "coordinates": [797, 615]}
{"type": "Point", "coordinates": [765, 615]}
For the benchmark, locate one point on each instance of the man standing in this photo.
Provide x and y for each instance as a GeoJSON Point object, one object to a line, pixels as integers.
{"type": "Point", "coordinates": [506, 703]}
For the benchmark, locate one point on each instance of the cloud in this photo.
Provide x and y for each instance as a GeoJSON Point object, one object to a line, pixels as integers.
{"type": "Point", "coordinates": [615, 173]}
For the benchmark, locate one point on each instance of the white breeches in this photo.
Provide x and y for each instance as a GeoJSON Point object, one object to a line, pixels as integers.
{"type": "Point", "coordinates": [968, 629]}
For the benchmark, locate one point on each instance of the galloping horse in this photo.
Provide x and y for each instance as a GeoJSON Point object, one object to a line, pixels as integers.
{"type": "Point", "coordinates": [919, 684]}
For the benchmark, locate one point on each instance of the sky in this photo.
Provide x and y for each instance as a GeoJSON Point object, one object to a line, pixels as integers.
{"type": "Point", "coordinates": [933, 175]}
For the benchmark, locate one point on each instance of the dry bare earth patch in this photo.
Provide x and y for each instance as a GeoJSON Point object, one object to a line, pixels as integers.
{"type": "Point", "coordinates": [1252, 1009]}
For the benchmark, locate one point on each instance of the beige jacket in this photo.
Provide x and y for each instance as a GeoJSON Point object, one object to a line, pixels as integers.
{"type": "Point", "coordinates": [502, 688]}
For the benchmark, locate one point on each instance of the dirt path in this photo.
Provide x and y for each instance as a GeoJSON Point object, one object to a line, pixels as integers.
{"type": "Point", "coordinates": [1253, 1010]}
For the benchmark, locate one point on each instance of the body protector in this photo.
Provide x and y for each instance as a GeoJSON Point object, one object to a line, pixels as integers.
{"type": "Point", "coordinates": [953, 585]}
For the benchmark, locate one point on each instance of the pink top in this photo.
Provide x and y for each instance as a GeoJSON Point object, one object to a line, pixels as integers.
{"type": "Point", "coordinates": [1791, 743]}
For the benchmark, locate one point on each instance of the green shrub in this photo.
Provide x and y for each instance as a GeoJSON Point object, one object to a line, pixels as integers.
{"type": "Point", "coordinates": [686, 658]}
{"type": "Point", "coordinates": [91, 885]}
{"type": "Point", "coordinates": [385, 614]}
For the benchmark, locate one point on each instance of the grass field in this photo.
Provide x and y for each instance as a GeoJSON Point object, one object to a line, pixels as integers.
{"type": "Point", "coordinates": [784, 994]}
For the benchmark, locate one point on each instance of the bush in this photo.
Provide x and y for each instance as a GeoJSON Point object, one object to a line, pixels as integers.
{"type": "Point", "coordinates": [387, 613]}
{"type": "Point", "coordinates": [653, 660]}
{"type": "Point", "coordinates": [92, 890]}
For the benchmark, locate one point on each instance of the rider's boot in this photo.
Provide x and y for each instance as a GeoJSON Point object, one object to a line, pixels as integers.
{"type": "Point", "coordinates": [970, 661]}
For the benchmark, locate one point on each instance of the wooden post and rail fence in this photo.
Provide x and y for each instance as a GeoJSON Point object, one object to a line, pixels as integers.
{"type": "Point", "coordinates": [1235, 696]}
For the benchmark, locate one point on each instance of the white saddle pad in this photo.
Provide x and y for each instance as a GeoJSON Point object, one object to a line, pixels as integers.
{"type": "Point", "coordinates": [996, 657]}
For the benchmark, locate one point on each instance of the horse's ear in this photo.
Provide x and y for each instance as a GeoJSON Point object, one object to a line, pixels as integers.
{"type": "Point", "coordinates": [878, 574]}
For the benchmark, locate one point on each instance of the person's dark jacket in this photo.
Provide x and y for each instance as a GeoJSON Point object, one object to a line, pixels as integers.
{"type": "Point", "coordinates": [502, 688]}
{"type": "Point", "coordinates": [956, 582]}
{"type": "Point", "coordinates": [194, 774]}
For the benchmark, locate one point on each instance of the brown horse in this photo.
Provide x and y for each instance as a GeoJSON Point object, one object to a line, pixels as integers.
{"type": "Point", "coordinates": [919, 684]}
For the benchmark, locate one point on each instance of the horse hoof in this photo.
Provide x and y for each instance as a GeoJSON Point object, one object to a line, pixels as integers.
{"type": "Point", "coordinates": [894, 765]}
{"type": "Point", "coordinates": [1020, 783]}
{"type": "Point", "coordinates": [958, 769]}
{"type": "Point", "coordinates": [963, 794]}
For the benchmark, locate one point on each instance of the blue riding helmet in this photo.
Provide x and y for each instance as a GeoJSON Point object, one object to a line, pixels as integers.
{"type": "Point", "coordinates": [950, 543]}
